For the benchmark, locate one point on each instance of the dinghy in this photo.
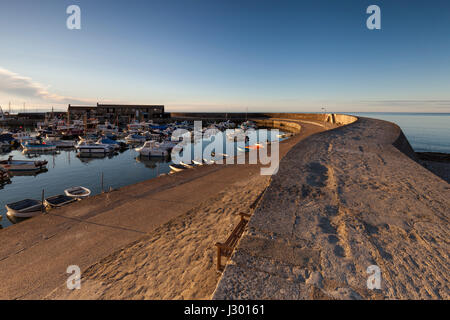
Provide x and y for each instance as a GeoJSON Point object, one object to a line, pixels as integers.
{"type": "Point", "coordinates": [208, 161]}
{"type": "Point", "coordinates": [187, 165]}
{"type": "Point", "coordinates": [197, 162]}
{"type": "Point", "coordinates": [77, 192]}
{"type": "Point", "coordinates": [253, 147]}
{"type": "Point", "coordinates": [25, 208]}
{"type": "Point", "coordinates": [177, 167]}
{"type": "Point", "coordinates": [58, 201]}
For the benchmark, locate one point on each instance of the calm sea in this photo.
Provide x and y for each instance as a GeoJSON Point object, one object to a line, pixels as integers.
{"type": "Point", "coordinates": [425, 131]}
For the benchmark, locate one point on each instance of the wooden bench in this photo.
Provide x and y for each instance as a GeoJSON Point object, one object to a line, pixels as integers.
{"type": "Point", "coordinates": [226, 249]}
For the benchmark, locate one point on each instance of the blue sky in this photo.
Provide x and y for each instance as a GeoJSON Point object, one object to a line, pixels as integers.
{"type": "Point", "coordinates": [226, 55]}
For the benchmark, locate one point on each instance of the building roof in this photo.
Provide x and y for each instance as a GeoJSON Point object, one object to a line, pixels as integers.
{"type": "Point", "coordinates": [81, 107]}
{"type": "Point", "coordinates": [130, 105]}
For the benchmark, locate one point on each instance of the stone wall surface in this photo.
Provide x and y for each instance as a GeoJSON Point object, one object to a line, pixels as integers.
{"type": "Point", "coordinates": [344, 200]}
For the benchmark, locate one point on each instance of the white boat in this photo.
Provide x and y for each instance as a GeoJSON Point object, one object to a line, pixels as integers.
{"type": "Point", "coordinates": [108, 128]}
{"type": "Point", "coordinates": [209, 134]}
{"type": "Point", "coordinates": [37, 146]}
{"type": "Point", "coordinates": [199, 163]}
{"type": "Point", "coordinates": [86, 147]}
{"type": "Point", "coordinates": [25, 208]}
{"type": "Point", "coordinates": [15, 166]}
{"type": "Point", "coordinates": [236, 135]}
{"type": "Point", "coordinates": [177, 167]}
{"type": "Point", "coordinates": [114, 144]}
{"type": "Point", "coordinates": [154, 149]}
{"type": "Point", "coordinates": [208, 161]}
{"type": "Point", "coordinates": [187, 165]}
{"type": "Point", "coordinates": [248, 125]}
{"type": "Point", "coordinates": [136, 126]}
{"type": "Point", "coordinates": [60, 143]}
{"type": "Point", "coordinates": [135, 138]}
{"type": "Point", "coordinates": [77, 192]}
{"type": "Point", "coordinates": [284, 135]}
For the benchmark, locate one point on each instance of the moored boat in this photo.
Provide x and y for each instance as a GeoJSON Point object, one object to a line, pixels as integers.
{"type": "Point", "coordinates": [86, 147]}
{"type": "Point", "coordinates": [59, 201]}
{"type": "Point", "coordinates": [252, 147]}
{"type": "Point", "coordinates": [59, 143]}
{"type": "Point", "coordinates": [21, 136]}
{"type": "Point", "coordinates": [208, 161]}
{"type": "Point", "coordinates": [25, 208]}
{"type": "Point", "coordinates": [135, 138]}
{"type": "Point", "coordinates": [237, 135]}
{"type": "Point", "coordinates": [177, 167]}
{"type": "Point", "coordinates": [197, 162]}
{"type": "Point", "coordinates": [37, 146]}
{"type": "Point", "coordinates": [14, 166]}
{"type": "Point", "coordinates": [4, 176]}
{"type": "Point", "coordinates": [77, 192]}
{"type": "Point", "coordinates": [4, 146]}
{"type": "Point", "coordinates": [187, 165]}
{"type": "Point", "coordinates": [153, 149]}
{"type": "Point", "coordinates": [114, 144]}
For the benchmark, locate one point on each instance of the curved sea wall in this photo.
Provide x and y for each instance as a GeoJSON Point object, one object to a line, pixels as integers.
{"type": "Point", "coordinates": [344, 204]}
{"type": "Point", "coordinates": [285, 121]}
{"type": "Point", "coordinates": [289, 121]}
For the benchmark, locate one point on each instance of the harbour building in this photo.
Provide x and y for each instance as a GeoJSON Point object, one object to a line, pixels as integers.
{"type": "Point", "coordinates": [117, 113]}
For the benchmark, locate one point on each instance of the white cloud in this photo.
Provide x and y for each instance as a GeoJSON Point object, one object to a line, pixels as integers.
{"type": "Point", "coordinates": [16, 85]}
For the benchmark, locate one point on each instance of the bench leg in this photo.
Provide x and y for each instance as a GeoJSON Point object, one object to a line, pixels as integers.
{"type": "Point", "coordinates": [219, 253]}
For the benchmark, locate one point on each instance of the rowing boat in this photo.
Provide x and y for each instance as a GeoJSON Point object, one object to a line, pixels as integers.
{"type": "Point", "coordinates": [59, 201]}
{"type": "Point", "coordinates": [77, 192]}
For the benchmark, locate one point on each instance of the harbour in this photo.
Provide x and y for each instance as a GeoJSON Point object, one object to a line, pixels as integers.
{"type": "Point", "coordinates": [64, 167]}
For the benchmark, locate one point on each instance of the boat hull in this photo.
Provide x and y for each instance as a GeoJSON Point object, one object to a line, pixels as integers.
{"type": "Point", "coordinates": [38, 147]}
{"type": "Point", "coordinates": [59, 201]}
{"type": "Point", "coordinates": [15, 214]}
{"type": "Point", "coordinates": [24, 209]}
{"type": "Point", "coordinates": [177, 168]}
{"type": "Point", "coordinates": [22, 166]}
{"type": "Point", "coordinates": [93, 150]}
{"type": "Point", "coordinates": [154, 153]}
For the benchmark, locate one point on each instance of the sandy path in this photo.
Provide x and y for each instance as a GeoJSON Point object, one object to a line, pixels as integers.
{"type": "Point", "coordinates": [177, 260]}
